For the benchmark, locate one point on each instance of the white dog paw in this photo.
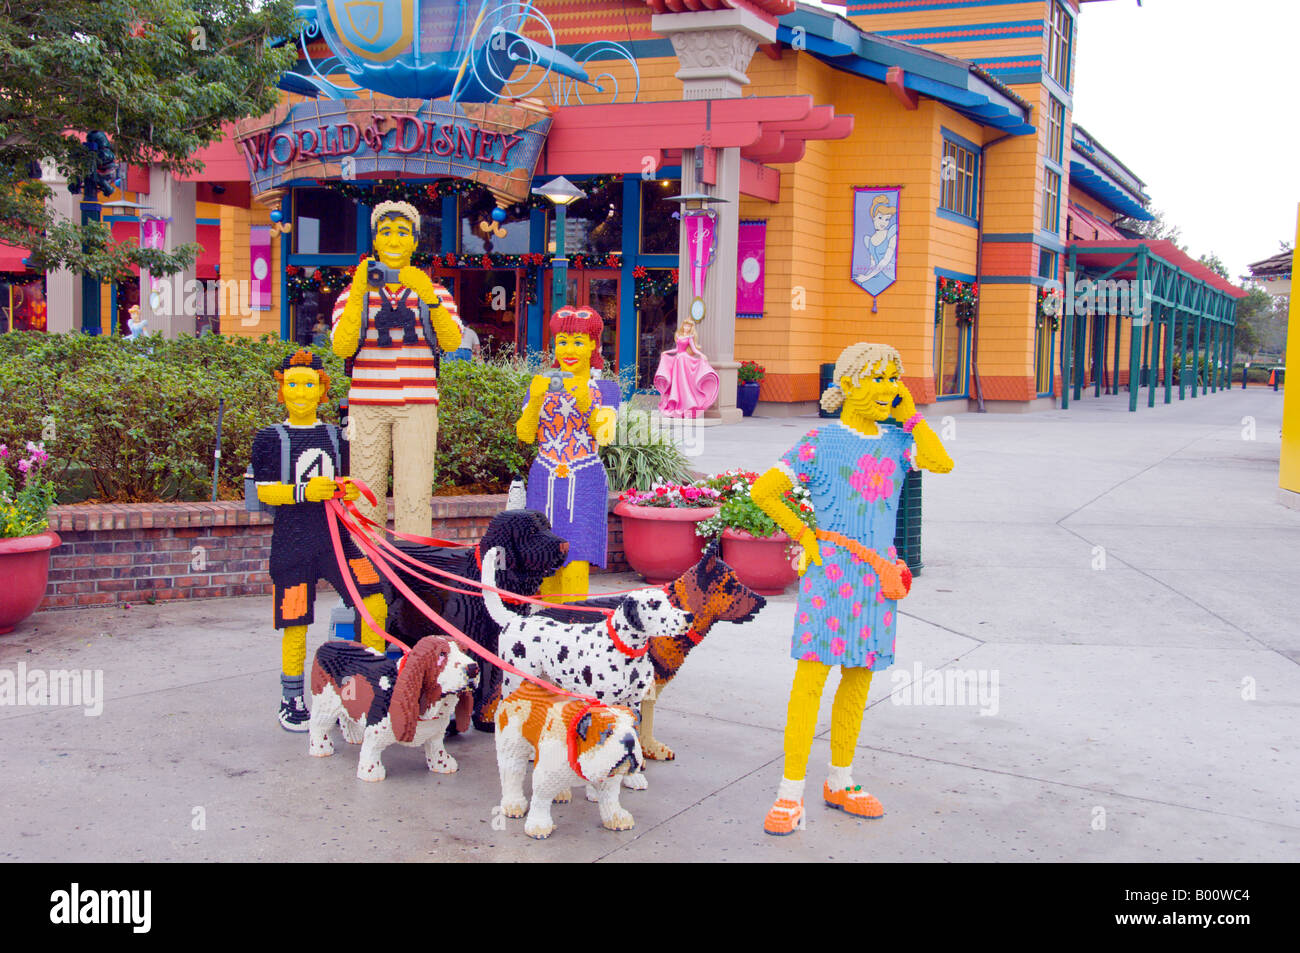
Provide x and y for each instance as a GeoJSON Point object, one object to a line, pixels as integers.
{"type": "Point", "coordinates": [564, 797]}
{"type": "Point", "coordinates": [635, 782]}
{"type": "Point", "coordinates": [539, 831]}
{"type": "Point", "coordinates": [620, 821]}
{"type": "Point", "coordinates": [443, 764]}
{"type": "Point", "coordinates": [592, 795]}
{"type": "Point", "coordinates": [373, 772]}
{"type": "Point", "coordinates": [514, 808]}
{"type": "Point", "coordinates": [322, 750]}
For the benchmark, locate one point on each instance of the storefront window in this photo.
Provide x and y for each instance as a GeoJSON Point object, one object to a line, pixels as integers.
{"type": "Point", "coordinates": [22, 306]}
{"type": "Point", "coordinates": [475, 209]}
{"type": "Point", "coordinates": [659, 230]}
{"type": "Point", "coordinates": [952, 322]}
{"type": "Point", "coordinates": [324, 223]}
{"type": "Point", "coordinates": [593, 225]}
{"type": "Point", "coordinates": [488, 302]}
{"type": "Point", "coordinates": [656, 319]}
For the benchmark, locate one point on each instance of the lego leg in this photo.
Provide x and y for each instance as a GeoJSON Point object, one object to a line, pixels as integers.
{"type": "Point", "coordinates": [415, 445]}
{"type": "Point", "coordinates": [293, 656]}
{"type": "Point", "coordinates": [378, 610]}
{"type": "Point", "coordinates": [371, 449]}
{"type": "Point", "coordinates": [576, 578]}
{"type": "Point", "coordinates": [846, 722]}
{"type": "Point", "coordinates": [787, 813]}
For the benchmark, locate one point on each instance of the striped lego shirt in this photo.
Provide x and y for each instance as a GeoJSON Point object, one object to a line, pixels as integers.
{"type": "Point", "coordinates": [403, 372]}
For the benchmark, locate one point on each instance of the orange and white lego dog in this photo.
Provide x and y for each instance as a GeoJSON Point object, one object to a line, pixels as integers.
{"type": "Point", "coordinates": [571, 742]}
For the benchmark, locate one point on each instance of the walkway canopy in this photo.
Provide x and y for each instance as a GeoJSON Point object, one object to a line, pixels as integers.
{"type": "Point", "coordinates": [1175, 304]}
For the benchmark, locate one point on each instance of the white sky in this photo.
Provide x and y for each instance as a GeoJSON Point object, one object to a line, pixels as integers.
{"type": "Point", "coordinates": [1201, 100]}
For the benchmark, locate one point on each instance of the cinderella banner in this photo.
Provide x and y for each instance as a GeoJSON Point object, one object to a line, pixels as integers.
{"type": "Point", "coordinates": [750, 253]}
{"type": "Point", "coordinates": [875, 239]}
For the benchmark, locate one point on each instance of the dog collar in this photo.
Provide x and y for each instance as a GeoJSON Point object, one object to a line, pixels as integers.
{"type": "Point", "coordinates": [620, 644]}
{"type": "Point", "coordinates": [694, 636]}
{"type": "Point", "coordinates": [572, 737]}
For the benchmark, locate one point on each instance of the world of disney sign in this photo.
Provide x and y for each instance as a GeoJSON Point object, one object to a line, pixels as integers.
{"type": "Point", "coordinates": [496, 145]}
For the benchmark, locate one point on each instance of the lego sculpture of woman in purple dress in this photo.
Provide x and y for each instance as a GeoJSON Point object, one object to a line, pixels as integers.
{"type": "Point", "coordinates": [687, 381]}
{"type": "Point", "coordinates": [564, 415]}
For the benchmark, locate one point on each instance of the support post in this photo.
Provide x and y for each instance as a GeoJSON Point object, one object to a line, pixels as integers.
{"type": "Point", "coordinates": [1170, 317]}
{"type": "Point", "coordinates": [1140, 317]}
{"type": "Point", "coordinates": [1119, 330]}
{"type": "Point", "coordinates": [1196, 357]}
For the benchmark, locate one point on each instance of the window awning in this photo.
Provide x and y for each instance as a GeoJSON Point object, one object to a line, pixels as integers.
{"type": "Point", "coordinates": [11, 257]}
{"type": "Point", "coordinates": [1089, 227]}
{"type": "Point", "coordinates": [1113, 256]}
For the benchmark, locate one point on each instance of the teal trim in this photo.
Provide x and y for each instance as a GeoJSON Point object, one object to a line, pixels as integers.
{"type": "Point", "coordinates": [1049, 241]}
{"type": "Point", "coordinates": [1008, 237]}
{"type": "Point", "coordinates": [207, 221]}
{"type": "Point", "coordinates": [955, 275]}
{"type": "Point", "coordinates": [286, 245]}
{"type": "Point", "coordinates": [120, 218]}
{"type": "Point", "coordinates": [450, 225]}
{"type": "Point", "coordinates": [1041, 239]}
{"type": "Point", "coordinates": [112, 307]}
{"type": "Point", "coordinates": [1034, 280]}
{"type": "Point", "coordinates": [1058, 91]}
{"type": "Point", "coordinates": [956, 217]}
{"type": "Point", "coordinates": [533, 334]}
{"type": "Point", "coordinates": [1002, 24]}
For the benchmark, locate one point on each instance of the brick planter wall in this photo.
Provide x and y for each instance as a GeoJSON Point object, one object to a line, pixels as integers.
{"type": "Point", "coordinates": [140, 552]}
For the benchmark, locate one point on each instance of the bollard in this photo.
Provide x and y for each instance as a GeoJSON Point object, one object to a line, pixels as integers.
{"type": "Point", "coordinates": [1245, 370]}
{"type": "Point", "coordinates": [1275, 380]}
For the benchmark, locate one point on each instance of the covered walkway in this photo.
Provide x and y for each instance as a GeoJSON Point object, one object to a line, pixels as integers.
{"type": "Point", "coordinates": [1179, 313]}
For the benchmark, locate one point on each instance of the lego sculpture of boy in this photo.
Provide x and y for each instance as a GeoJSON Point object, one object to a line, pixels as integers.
{"type": "Point", "coordinates": [298, 466]}
{"type": "Point", "coordinates": [385, 322]}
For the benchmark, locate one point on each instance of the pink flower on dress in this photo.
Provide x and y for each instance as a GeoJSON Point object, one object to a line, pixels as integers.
{"type": "Point", "coordinates": [857, 609]}
{"type": "Point", "coordinates": [833, 572]}
{"type": "Point", "coordinates": [880, 597]}
{"type": "Point", "coordinates": [803, 618]}
{"type": "Point", "coordinates": [873, 478]}
{"type": "Point", "coordinates": [887, 618]}
{"type": "Point", "coordinates": [837, 646]}
{"type": "Point", "coordinates": [869, 580]}
{"type": "Point", "coordinates": [818, 602]}
{"type": "Point", "coordinates": [806, 452]}
{"type": "Point", "coordinates": [828, 550]}
{"type": "Point", "coordinates": [806, 638]}
{"type": "Point", "coordinates": [870, 659]}
{"type": "Point", "coordinates": [807, 585]}
{"type": "Point", "coordinates": [809, 656]}
{"type": "Point", "coordinates": [833, 624]}
{"type": "Point", "coordinates": [864, 632]}
{"type": "Point", "coordinates": [846, 590]}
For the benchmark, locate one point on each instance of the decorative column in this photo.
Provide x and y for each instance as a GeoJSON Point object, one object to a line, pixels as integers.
{"type": "Point", "coordinates": [714, 48]}
{"type": "Point", "coordinates": [173, 310]}
{"type": "Point", "coordinates": [62, 287]}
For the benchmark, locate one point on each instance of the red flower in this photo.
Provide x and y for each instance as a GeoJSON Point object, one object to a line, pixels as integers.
{"type": "Point", "coordinates": [450, 260]}
{"type": "Point", "coordinates": [579, 261]}
{"type": "Point", "coordinates": [485, 261]}
{"type": "Point", "coordinates": [674, 274]}
{"type": "Point", "coordinates": [975, 290]}
{"type": "Point", "coordinates": [943, 282]}
{"type": "Point", "coordinates": [639, 271]}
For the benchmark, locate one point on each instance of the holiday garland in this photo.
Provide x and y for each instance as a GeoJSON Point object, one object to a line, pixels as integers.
{"type": "Point", "coordinates": [653, 286]}
{"type": "Point", "coordinates": [427, 196]}
{"type": "Point", "coordinates": [1049, 305]}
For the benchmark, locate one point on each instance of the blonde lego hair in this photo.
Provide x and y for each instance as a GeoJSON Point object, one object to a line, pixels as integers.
{"type": "Point", "coordinates": [855, 361]}
{"type": "Point", "coordinates": [404, 209]}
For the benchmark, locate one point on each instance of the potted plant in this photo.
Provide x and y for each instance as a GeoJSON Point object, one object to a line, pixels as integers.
{"type": "Point", "coordinates": [750, 374]}
{"type": "Point", "coordinates": [659, 538]}
{"type": "Point", "coordinates": [25, 539]}
{"type": "Point", "coordinates": [761, 554]}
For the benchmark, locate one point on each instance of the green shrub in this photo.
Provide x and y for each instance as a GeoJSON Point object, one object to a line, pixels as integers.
{"type": "Point", "coordinates": [641, 454]}
{"type": "Point", "coordinates": [479, 402]}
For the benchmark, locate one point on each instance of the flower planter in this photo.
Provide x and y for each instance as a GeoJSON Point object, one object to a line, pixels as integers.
{"type": "Point", "coordinates": [24, 567]}
{"type": "Point", "coordinates": [764, 563]}
{"type": "Point", "coordinates": [747, 396]}
{"type": "Point", "coordinates": [659, 542]}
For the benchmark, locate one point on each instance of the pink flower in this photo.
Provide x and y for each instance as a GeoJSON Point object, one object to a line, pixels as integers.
{"type": "Point", "coordinates": [837, 646]}
{"type": "Point", "coordinates": [828, 550]}
{"type": "Point", "coordinates": [864, 632]}
{"type": "Point", "coordinates": [870, 659]}
{"type": "Point", "coordinates": [846, 590]}
{"type": "Point", "coordinates": [4, 450]}
{"type": "Point", "coordinates": [833, 572]}
{"type": "Point", "coordinates": [809, 656]}
{"type": "Point", "coordinates": [880, 597]}
{"type": "Point", "coordinates": [857, 609]}
{"type": "Point", "coordinates": [806, 453]}
{"type": "Point", "coordinates": [833, 624]}
{"type": "Point", "coordinates": [803, 618]}
{"type": "Point", "coordinates": [873, 477]}
{"type": "Point", "coordinates": [803, 477]}
{"type": "Point", "coordinates": [818, 602]}
{"type": "Point", "coordinates": [869, 580]}
{"type": "Point", "coordinates": [24, 465]}
{"type": "Point", "coordinates": [893, 553]}
{"type": "Point", "coordinates": [810, 433]}
{"type": "Point", "coordinates": [806, 638]}
{"type": "Point", "coordinates": [887, 618]}
{"type": "Point", "coordinates": [807, 585]}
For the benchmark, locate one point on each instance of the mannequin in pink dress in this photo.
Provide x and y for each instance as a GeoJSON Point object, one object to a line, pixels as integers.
{"type": "Point", "coordinates": [686, 380]}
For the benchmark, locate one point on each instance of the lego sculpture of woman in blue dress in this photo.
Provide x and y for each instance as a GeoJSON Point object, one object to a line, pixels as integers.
{"type": "Point", "coordinates": [846, 613]}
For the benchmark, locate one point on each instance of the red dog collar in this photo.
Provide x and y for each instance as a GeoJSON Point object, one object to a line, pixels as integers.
{"type": "Point", "coordinates": [620, 644]}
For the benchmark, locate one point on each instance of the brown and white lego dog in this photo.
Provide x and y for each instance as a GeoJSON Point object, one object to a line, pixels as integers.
{"type": "Point", "coordinates": [571, 743]}
{"type": "Point", "coordinates": [365, 693]}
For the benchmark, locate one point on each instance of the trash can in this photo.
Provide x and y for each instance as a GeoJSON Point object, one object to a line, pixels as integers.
{"type": "Point", "coordinates": [827, 378]}
{"type": "Point", "coordinates": [907, 526]}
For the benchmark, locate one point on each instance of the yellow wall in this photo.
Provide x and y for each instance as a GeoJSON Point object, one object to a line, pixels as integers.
{"type": "Point", "coordinates": [1289, 471]}
{"type": "Point", "coordinates": [236, 265]}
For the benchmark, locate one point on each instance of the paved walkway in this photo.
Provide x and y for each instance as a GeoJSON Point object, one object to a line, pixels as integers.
{"type": "Point", "coordinates": [1128, 579]}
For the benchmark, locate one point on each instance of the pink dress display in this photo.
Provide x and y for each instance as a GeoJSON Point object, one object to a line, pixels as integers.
{"type": "Point", "coordinates": [686, 380]}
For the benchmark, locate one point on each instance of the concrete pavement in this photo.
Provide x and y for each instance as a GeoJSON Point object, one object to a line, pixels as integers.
{"type": "Point", "coordinates": [1121, 586]}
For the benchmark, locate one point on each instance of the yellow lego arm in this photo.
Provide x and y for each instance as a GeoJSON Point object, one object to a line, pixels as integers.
{"type": "Point", "coordinates": [930, 452]}
{"type": "Point", "coordinates": [604, 421]}
{"type": "Point", "coordinates": [275, 494]}
{"type": "Point", "coordinates": [767, 493]}
{"type": "Point", "coordinates": [444, 325]}
{"type": "Point", "coordinates": [526, 425]}
{"type": "Point", "coordinates": [347, 333]}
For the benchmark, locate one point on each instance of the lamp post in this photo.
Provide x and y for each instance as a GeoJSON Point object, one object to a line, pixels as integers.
{"type": "Point", "coordinates": [560, 192]}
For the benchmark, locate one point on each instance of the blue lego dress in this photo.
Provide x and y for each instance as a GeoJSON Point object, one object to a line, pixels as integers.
{"type": "Point", "coordinates": [842, 616]}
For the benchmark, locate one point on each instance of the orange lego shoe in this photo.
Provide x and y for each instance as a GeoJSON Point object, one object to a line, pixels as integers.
{"type": "Point", "coordinates": [852, 800]}
{"type": "Point", "coordinates": [785, 817]}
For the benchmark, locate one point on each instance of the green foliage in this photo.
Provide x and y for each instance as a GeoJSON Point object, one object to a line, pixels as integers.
{"type": "Point", "coordinates": [1213, 262]}
{"type": "Point", "coordinates": [23, 511]}
{"type": "Point", "coordinates": [1157, 229]}
{"type": "Point", "coordinates": [138, 418]}
{"type": "Point", "coordinates": [479, 402]}
{"type": "Point", "coordinates": [740, 512]}
{"type": "Point", "coordinates": [641, 454]}
{"type": "Point", "coordinates": [159, 77]}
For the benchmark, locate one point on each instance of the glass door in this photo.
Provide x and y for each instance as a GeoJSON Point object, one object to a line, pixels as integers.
{"type": "Point", "coordinates": [597, 289]}
{"type": "Point", "coordinates": [949, 351]}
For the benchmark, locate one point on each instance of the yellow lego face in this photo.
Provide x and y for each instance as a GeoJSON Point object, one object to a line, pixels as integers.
{"type": "Point", "coordinates": [394, 242]}
{"type": "Point", "coordinates": [302, 392]}
{"type": "Point", "coordinates": [574, 351]}
{"type": "Point", "coordinates": [873, 396]}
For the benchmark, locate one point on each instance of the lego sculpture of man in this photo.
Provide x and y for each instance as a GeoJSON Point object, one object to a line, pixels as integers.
{"type": "Point", "coordinates": [297, 466]}
{"type": "Point", "coordinates": [394, 322]}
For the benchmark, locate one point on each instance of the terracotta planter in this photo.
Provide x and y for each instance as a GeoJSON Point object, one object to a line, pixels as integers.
{"type": "Point", "coordinates": [764, 563]}
{"type": "Point", "coordinates": [24, 567]}
{"type": "Point", "coordinates": [747, 396]}
{"type": "Point", "coordinates": [659, 541]}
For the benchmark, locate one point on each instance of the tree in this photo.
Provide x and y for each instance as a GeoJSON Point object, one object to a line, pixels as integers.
{"type": "Point", "coordinates": [1156, 230]}
{"type": "Point", "coordinates": [1213, 262]}
{"type": "Point", "coordinates": [158, 77]}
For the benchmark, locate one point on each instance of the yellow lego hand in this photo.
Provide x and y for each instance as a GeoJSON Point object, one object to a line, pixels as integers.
{"type": "Point", "coordinates": [812, 552]}
{"type": "Point", "coordinates": [905, 410]}
{"type": "Point", "coordinates": [320, 488]}
{"type": "Point", "coordinates": [350, 490]}
{"type": "Point", "coordinates": [604, 421]}
{"type": "Point", "coordinates": [420, 283]}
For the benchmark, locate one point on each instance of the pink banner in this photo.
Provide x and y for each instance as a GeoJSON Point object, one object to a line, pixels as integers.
{"type": "Point", "coordinates": [259, 255]}
{"type": "Point", "coordinates": [751, 254]}
{"type": "Point", "coordinates": [701, 243]}
{"type": "Point", "coordinates": [153, 234]}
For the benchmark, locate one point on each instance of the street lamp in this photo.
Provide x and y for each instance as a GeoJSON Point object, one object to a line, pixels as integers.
{"type": "Point", "coordinates": [560, 192]}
